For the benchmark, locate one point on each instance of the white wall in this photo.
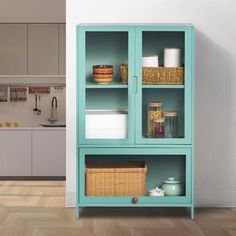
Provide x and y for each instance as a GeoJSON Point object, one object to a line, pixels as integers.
{"type": "Point", "coordinates": [215, 155]}
{"type": "Point", "coordinates": [32, 11]}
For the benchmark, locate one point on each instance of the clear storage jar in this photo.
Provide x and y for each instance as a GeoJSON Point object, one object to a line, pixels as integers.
{"type": "Point", "coordinates": [170, 124]}
{"type": "Point", "coordinates": [159, 128]}
{"type": "Point", "coordinates": [155, 110]}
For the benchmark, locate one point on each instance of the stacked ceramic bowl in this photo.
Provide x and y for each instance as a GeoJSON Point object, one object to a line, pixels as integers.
{"type": "Point", "coordinates": [103, 74]}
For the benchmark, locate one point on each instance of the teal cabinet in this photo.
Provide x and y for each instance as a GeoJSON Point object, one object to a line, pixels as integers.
{"type": "Point", "coordinates": [112, 118]}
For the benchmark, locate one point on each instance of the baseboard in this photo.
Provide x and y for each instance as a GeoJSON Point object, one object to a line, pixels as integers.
{"type": "Point", "coordinates": [70, 199]}
{"type": "Point", "coordinates": [202, 199]}
{"type": "Point", "coordinates": [215, 198]}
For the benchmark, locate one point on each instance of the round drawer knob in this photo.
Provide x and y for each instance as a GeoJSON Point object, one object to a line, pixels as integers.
{"type": "Point", "coordinates": [134, 200]}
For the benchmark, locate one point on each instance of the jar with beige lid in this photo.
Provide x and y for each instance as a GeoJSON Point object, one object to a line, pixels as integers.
{"type": "Point", "coordinates": [170, 124]}
{"type": "Point", "coordinates": [155, 110]}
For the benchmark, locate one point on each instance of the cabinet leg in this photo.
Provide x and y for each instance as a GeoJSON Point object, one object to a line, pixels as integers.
{"type": "Point", "coordinates": [77, 212]}
{"type": "Point", "coordinates": [192, 212]}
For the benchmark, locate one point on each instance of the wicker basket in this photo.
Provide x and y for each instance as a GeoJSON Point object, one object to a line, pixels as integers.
{"type": "Point", "coordinates": [156, 75]}
{"type": "Point", "coordinates": [116, 179]}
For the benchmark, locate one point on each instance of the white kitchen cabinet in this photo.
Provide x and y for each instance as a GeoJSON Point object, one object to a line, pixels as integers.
{"type": "Point", "coordinates": [49, 153]}
{"type": "Point", "coordinates": [62, 49]}
{"type": "Point", "coordinates": [43, 49]}
{"type": "Point", "coordinates": [15, 153]}
{"type": "Point", "coordinates": [13, 49]}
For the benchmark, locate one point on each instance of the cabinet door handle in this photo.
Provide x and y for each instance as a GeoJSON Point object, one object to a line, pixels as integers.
{"type": "Point", "coordinates": [135, 84]}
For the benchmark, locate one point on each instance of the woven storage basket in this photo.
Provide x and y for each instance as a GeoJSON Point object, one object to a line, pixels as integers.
{"type": "Point", "coordinates": [156, 75]}
{"type": "Point", "coordinates": [116, 179]}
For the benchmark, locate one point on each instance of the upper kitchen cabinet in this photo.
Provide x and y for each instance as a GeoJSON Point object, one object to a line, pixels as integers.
{"type": "Point", "coordinates": [43, 45]}
{"type": "Point", "coordinates": [62, 49]}
{"type": "Point", "coordinates": [13, 49]}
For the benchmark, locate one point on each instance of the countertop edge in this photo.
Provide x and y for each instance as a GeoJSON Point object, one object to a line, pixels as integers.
{"type": "Point", "coordinates": [31, 128]}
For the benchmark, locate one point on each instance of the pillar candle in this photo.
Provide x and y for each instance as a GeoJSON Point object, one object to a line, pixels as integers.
{"type": "Point", "coordinates": [150, 61]}
{"type": "Point", "coordinates": [172, 57]}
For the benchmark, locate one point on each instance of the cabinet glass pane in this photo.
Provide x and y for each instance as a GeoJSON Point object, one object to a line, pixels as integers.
{"type": "Point", "coordinates": [159, 169]}
{"type": "Point", "coordinates": [163, 82]}
{"type": "Point", "coordinates": [154, 43]}
{"type": "Point", "coordinates": [106, 48]}
{"type": "Point", "coordinates": [172, 100]}
{"type": "Point", "coordinates": [106, 101]}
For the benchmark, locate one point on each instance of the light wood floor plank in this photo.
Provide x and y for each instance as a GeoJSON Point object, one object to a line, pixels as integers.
{"type": "Point", "coordinates": [37, 208]}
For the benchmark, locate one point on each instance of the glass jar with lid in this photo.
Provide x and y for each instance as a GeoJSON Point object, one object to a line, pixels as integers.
{"type": "Point", "coordinates": [170, 124]}
{"type": "Point", "coordinates": [155, 110]}
{"type": "Point", "coordinates": [159, 128]}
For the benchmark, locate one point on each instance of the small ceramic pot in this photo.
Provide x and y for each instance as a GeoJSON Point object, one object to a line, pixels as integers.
{"type": "Point", "coordinates": [156, 192]}
{"type": "Point", "coordinates": [173, 187]}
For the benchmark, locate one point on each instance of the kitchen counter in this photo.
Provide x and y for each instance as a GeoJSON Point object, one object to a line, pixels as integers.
{"type": "Point", "coordinates": [31, 128]}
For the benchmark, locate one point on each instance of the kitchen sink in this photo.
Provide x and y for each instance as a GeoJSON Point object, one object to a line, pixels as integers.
{"type": "Point", "coordinates": [53, 125]}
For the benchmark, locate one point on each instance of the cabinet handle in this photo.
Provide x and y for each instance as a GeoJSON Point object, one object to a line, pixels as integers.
{"type": "Point", "coordinates": [134, 200]}
{"type": "Point", "coordinates": [135, 84]}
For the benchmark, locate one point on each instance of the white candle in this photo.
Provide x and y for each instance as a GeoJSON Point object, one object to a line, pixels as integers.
{"type": "Point", "coordinates": [172, 57]}
{"type": "Point", "coordinates": [151, 61]}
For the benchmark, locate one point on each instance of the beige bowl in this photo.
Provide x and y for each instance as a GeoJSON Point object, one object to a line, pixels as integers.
{"type": "Point", "coordinates": [103, 80]}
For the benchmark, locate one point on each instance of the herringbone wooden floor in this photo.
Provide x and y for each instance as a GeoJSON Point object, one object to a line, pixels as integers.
{"type": "Point", "coordinates": [37, 208]}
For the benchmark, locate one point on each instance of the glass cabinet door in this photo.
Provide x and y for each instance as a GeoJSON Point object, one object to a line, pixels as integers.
{"type": "Point", "coordinates": [164, 65]}
{"type": "Point", "coordinates": [105, 100]}
{"type": "Point", "coordinates": [99, 187]}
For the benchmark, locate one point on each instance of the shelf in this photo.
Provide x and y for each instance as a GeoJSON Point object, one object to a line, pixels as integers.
{"type": "Point", "coordinates": [114, 84]}
{"type": "Point", "coordinates": [93, 85]}
{"type": "Point", "coordinates": [164, 86]}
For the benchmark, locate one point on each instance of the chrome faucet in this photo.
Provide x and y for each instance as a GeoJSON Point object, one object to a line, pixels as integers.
{"type": "Point", "coordinates": [53, 117]}
{"type": "Point", "coordinates": [54, 99]}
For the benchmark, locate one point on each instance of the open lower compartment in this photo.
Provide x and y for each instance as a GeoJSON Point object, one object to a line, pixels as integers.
{"type": "Point", "coordinates": [159, 168]}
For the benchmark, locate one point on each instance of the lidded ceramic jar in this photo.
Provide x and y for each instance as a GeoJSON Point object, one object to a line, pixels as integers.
{"type": "Point", "coordinates": [173, 187]}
